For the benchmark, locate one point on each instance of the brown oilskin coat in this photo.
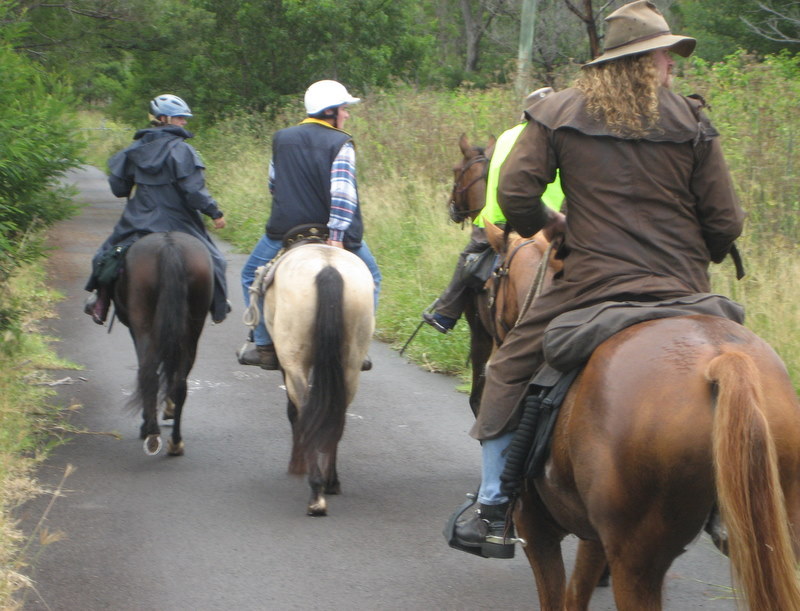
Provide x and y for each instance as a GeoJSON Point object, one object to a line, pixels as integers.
{"type": "Point", "coordinates": [645, 217]}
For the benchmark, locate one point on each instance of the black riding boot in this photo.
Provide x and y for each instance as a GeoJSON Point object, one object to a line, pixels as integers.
{"type": "Point", "coordinates": [486, 529]}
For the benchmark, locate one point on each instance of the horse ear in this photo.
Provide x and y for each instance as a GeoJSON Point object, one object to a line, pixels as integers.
{"type": "Point", "coordinates": [490, 147]}
{"type": "Point", "coordinates": [464, 145]}
{"type": "Point", "coordinates": [496, 238]}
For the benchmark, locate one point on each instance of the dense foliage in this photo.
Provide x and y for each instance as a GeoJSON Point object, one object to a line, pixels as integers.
{"type": "Point", "coordinates": [225, 55]}
{"type": "Point", "coordinates": [37, 146]}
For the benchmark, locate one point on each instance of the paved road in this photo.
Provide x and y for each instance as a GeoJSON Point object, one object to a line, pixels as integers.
{"type": "Point", "coordinates": [224, 527]}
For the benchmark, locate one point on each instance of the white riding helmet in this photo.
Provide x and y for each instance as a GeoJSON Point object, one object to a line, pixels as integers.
{"type": "Point", "coordinates": [169, 105]}
{"type": "Point", "coordinates": [327, 94]}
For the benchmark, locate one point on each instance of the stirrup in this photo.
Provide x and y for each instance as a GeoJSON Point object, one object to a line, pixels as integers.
{"type": "Point", "coordinates": [449, 531]}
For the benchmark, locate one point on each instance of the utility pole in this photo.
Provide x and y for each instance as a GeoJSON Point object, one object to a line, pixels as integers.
{"type": "Point", "coordinates": [527, 28]}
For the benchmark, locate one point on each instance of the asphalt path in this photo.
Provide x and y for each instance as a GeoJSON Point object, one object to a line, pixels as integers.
{"type": "Point", "coordinates": [224, 527]}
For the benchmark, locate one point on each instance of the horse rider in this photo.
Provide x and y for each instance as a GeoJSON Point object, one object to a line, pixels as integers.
{"type": "Point", "coordinates": [450, 305]}
{"type": "Point", "coordinates": [650, 205]}
{"type": "Point", "coordinates": [312, 179]}
{"type": "Point", "coordinates": [170, 195]}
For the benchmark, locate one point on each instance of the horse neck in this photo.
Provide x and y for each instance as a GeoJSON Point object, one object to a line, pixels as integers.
{"type": "Point", "coordinates": [522, 259]}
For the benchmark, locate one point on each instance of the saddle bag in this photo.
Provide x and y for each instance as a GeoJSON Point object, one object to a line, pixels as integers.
{"type": "Point", "coordinates": [478, 268]}
{"type": "Point", "coordinates": [110, 265]}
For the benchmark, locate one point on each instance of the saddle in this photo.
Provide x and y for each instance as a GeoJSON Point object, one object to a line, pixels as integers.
{"type": "Point", "coordinates": [311, 233]}
{"type": "Point", "coordinates": [569, 341]}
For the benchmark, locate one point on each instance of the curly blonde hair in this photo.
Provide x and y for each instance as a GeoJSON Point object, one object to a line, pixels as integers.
{"type": "Point", "coordinates": [623, 93]}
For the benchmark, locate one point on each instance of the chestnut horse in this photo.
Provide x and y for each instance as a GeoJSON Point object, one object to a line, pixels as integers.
{"type": "Point", "coordinates": [319, 310]}
{"type": "Point", "coordinates": [490, 310]}
{"type": "Point", "coordinates": [669, 421]}
{"type": "Point", "coordinates": [163, 296]}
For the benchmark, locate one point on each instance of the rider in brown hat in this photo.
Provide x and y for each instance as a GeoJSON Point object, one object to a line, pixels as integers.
{"type": "Point", "coordinates": [650, 206]}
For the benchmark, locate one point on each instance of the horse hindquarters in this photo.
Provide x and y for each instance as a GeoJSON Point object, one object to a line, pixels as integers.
{"type": "Point", "coordinates": [749, 486]}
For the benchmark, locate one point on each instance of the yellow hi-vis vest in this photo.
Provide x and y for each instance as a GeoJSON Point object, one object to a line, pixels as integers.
{"type": "Point", "coordinates": [552, 197]}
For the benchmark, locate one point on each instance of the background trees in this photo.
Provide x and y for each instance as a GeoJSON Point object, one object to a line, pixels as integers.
{"type": "Point", "coordinates": [252, 54]}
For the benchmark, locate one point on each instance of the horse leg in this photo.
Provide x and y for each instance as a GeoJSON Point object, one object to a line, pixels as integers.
{"type": "Point", "coordinates": [543, 550]}
{"type": "Point", "coordinates": [332, 484]}
{"type": "Point", "coordinates": [147, 379]}
{"type": "Point", "coordinates": [297, 462]}
{"type": "Point", "coordinates": [480, 347]}
{"type": "Point", "coordinates": [175, 445]}
{"type": "Point", "coordinates": [317, 505]}
{"type": "Point", "coordinates": [590, 564]}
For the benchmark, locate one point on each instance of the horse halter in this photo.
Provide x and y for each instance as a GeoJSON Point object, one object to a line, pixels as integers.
{"type": "Point", "coordinates": [458, 193]}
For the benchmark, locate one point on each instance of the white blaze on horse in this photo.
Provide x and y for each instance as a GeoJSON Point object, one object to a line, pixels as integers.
{"type": "Point", "coordinates": [319, 310]}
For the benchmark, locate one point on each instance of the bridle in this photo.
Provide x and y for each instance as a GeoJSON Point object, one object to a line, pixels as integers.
{"type": "Point", "coordinates": [499, 274]}
{"type": "Point", "coordinates": [458, 193]}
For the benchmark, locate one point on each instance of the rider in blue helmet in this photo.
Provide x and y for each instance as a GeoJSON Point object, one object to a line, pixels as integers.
{"type": "Point", "coordinates": [170, 195]}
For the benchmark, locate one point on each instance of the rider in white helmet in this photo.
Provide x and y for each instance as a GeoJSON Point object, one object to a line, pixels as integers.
{"type": "Point", "coordinates": [312, 179]}
{"type": "Point", "coordinates": [170, 195]}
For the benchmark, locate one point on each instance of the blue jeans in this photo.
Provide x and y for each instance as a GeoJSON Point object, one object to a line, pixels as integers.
{"type": "Point", "coordinates": [493, 452]}
{"type": "Point", "coordinates": [265, 251]}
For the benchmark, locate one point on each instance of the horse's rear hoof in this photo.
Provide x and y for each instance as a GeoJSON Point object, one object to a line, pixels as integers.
{"type": "Point", "coordinates": [152, 445]}
{"type": "Point", "coordinates": [169, 410]}
{"type": "Point", "coordinates": [318, 508]}
{"type": "Point", "coordinates": [175, 449]}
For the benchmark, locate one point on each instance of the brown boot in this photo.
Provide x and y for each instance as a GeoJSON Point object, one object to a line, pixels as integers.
{"type": "Point", "coordinates": [263, 356]}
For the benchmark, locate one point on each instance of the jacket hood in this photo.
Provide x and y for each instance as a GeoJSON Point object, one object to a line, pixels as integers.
{"type": "Point", "coordinates": [153, 145]}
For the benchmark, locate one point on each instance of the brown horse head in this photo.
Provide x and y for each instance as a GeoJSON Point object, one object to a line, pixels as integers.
{"type": "Point", "coordinates": [469, 186]}
{"type": "Point", "coordinates": [514, 285]}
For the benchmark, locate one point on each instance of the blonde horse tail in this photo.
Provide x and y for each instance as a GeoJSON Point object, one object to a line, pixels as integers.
{"type": "Point", "coordinates": [749, 491]}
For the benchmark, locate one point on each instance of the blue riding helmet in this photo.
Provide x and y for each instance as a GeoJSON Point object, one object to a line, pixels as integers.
{"type": "Point", "coordinates": [169, 105]}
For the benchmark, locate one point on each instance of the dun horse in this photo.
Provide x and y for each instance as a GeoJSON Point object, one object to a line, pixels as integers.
{"type": "Point", "coordinates": [163, 296]}
{"type": "Point", "coordinates": [319, 311]}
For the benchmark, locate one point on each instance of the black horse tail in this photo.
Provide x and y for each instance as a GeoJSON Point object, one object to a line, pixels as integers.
{"type": "Point", "coordinates": [172, 313]}
{"type": "Point", "coordinates": [321, 420]}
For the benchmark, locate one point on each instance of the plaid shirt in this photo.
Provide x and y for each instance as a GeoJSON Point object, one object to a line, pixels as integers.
{"type": "Point", "coordinates": [344, 196]}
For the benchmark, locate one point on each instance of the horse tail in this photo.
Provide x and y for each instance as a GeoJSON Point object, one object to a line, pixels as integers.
{"type": "Point", "coordinates": [321, 421]}
{"type": "Point", "coordinates": [172, 312]}
{"type": "Point", "coordinates": [749, 491]}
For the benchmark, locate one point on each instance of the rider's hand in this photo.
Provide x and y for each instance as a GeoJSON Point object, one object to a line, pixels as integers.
{"type": "Point", "coordinates": [336, 244]}
{"type": "Point", "coordinates": [219, 223]}
{"type": "Point", "coordinates": [556, 226]}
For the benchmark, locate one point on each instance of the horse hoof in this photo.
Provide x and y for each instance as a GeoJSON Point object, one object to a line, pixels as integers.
{"type": "Point", "coordinates": [169, 410]}
{"type": "Point", "coordinates": [175, 449]}
{"type": "Point", "coordinates": [318, 508]}
{"type": "Point", "coordinates": [152, 445]}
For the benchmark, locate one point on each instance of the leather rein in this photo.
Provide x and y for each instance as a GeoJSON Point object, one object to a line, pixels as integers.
{"type": "Point", "coordinates": [459, 192]}
{"type": "Point", "coordinates": [497, 277]}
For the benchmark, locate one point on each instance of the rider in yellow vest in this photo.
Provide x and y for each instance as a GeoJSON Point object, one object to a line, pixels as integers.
{"type": "Point", "coordinates": [450, 304]}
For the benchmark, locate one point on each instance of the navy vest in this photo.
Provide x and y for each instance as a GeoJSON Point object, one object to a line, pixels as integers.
{"type": "Point", "coordinates": [303, 155]}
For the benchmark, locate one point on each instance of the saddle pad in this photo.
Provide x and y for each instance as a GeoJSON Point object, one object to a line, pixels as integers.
{"type": "Point", "coordinates": [570, 338]}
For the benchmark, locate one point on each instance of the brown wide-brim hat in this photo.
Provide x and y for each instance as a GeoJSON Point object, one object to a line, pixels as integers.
{"type": "Point", "coordinates": [639, 27]}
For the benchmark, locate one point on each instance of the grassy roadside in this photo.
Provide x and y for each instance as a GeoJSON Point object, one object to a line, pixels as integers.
{"type": "Point", "coordinates": [29, 424]}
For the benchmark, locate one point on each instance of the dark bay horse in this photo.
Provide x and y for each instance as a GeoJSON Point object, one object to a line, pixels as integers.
{"type": "Point", "coordinates": [490, 310]}
{"type": "Point", "coordinates": [163, 296]}
{"type": "Point", "coordinates": [319, 310]}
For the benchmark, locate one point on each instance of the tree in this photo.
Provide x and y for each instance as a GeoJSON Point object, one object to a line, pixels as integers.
{"type": "Point", "coordinates": [779, 22]}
